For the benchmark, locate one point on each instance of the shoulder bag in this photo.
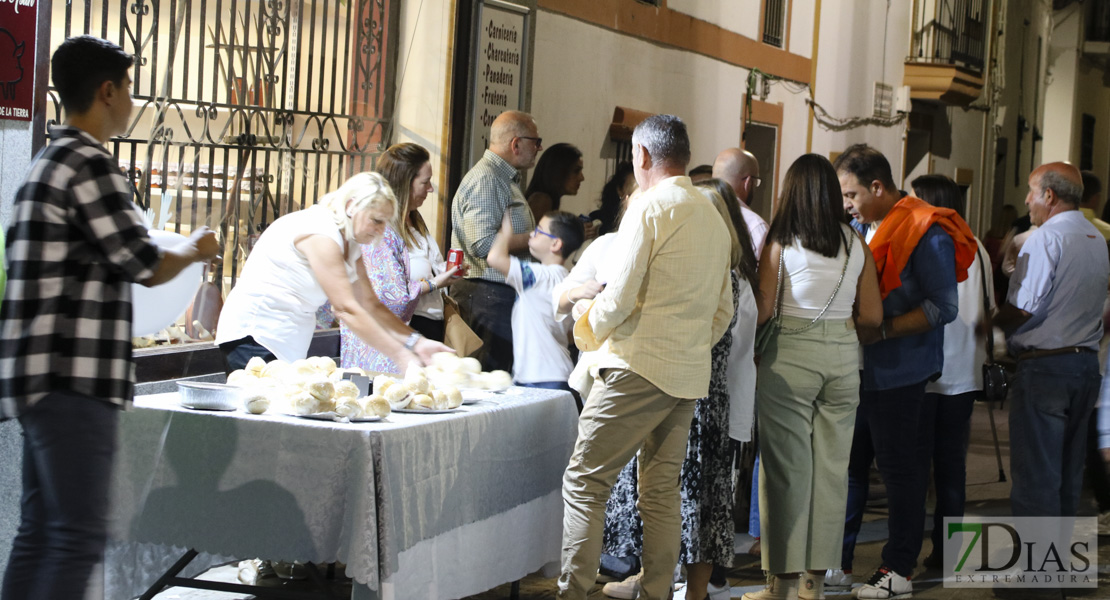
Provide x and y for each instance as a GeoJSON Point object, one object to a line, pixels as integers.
{"type": "Point", "coordinates": [773, 326]}
{"type": "Point", "coordinates": [994, 375]}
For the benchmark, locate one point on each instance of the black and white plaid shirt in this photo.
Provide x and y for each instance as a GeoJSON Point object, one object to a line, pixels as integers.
{"type": "Point", "coordinates": [490, 187]}
{"type": "Point", "coordinates": [75, 244]}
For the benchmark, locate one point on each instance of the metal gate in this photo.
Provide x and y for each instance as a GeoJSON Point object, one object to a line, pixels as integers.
{"type": "Point", "coordinates": [245, 110]}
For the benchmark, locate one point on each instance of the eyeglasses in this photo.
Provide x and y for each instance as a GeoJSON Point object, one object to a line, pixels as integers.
{"type": "Point", "coordinates": [756, 181]}
{"type": "Point", "coordinates": [539, 141]}
{"type": "Point", "coordinates": [542, 232]}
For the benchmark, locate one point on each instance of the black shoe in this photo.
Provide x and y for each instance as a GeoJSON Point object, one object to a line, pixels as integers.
{"type": "Point", "coordinates": [933, 561]}
{"type": "Point", "coordinates": [617, 568]}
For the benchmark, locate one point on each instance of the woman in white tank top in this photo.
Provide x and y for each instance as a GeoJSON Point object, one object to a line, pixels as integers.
{"type": "Point", "coordinates": [808, 380]}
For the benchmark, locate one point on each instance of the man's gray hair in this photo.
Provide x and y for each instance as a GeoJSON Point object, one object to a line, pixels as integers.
{"type": "Point", "coordinates": [665, 139]}
{"type": "Point", "coordinates": [1064, 188]}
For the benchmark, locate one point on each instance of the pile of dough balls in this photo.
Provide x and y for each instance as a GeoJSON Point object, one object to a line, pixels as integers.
{"type": "Point", "coordinates": [304, 387]}
{"type": "Point", "coordinates": [415, 392]}
{"type": "Point", "coordinates": [466, 373]}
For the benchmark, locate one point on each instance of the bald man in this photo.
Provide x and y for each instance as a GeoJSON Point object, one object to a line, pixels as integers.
{"type": "Point", "coordinates": [490, 188]}
{"type": "Point", "coordinates": [1053, 316]}
{"type": "Point", "coordinates": [740, 169]}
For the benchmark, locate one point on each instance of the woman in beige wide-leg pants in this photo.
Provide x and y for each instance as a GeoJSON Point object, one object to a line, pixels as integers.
{"type": "Point", "coordinates": [818, 279]}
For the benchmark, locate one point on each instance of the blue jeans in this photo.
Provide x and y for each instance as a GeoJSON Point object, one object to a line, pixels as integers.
{"type": "Point", "coordinates": [1050, 402]}
{"type": "Point", "coordinates": [69, 441]}
{"type": "Point", "coordinates": [237, 353]}
{"type": "Point", "coordinates": [945, 429]}
{"type": "Point", "coordinates": [887, 430]}
{"type": "Point", "coordinates": [487, 307]}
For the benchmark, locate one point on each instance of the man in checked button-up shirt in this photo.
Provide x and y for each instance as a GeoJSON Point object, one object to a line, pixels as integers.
{"type": "Point", "coordinates": [75, 245]}
{"type": "Point", "coordinates": [486, 192]}
{"type": "Point", "coordinates": [654, 325]}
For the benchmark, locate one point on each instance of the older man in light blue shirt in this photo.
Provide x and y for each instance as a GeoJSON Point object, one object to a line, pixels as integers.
{"type": "Point", "coordinates": [1053, 315]}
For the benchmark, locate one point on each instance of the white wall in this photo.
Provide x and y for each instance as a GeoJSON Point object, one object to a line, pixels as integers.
{"type": "Point", "coordinates": [850, 60]}
{"type": "Point", "coordinates": [423, 60]}
{"type": "Point", "coordinates": [1061, 119]}
{"type": "Point", "coordinates": [574, 93]}
{"type": "Point", "coordinates": [800, 41]}
{"type": "Point", "coordinates": [15, 157]}
{"type": "Point", "coordinates": [740, 16]}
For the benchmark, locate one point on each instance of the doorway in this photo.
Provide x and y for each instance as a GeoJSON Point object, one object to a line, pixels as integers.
{"type": "Point", "coordinates": [761, 139]}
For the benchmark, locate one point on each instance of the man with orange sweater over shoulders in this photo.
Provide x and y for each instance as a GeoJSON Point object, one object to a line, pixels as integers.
{"type": "Point", "coordinates": [920, 251]}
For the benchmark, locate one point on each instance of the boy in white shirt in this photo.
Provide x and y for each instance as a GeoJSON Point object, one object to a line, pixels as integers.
{"type": "Point", "coordinates": [541, 357]}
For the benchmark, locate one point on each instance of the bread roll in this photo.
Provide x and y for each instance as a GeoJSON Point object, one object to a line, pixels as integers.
{"type": "Point", "coordinates": [348, 407]}
{"type": "Point", "coordinates": [450, 378]}
{"type": "Point", "coordinates": [304, 368]}
{"type": "Point", "coordinates": [241, 378]}
{"type": "Point", "coordinates": [256, 403]}
{"type": "Point", "coordinates": [398, 396]}
{"type": "Point", "coordinates": [440, 401]}
{"type": "Point", "coordinates": [470, 364]}
{"type": "Point", "coordinates": [454, 396]}
{"type": "Point", "coordinates": [445, 361]}
{"type": "Point", "coordinates": [375, 406]}
{"type": "Point", "coordinates": [423, 402]}
{"type": "Point", "coordinates": [303, 403]}
{"type": "Point", "coordinates": [382, 383]}
{"type": "Point", "coordinates": [275, 369]}
{"type": "Point", "coordinates": [324, 365]}
{"type": "Point", "coordinates": [345, 389]}
{"type": "Point", "coordinates": [499, 379]}
{"type": "Point", "coordinates": [320, 387]}
{"type": "Point", "coordinates": [255, 366]}
{"type": "Point", "coordinates": [416, 380]}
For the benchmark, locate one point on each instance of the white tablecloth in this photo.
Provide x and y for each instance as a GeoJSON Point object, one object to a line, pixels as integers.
{"type": "Point", "coordinates": [418, 506]}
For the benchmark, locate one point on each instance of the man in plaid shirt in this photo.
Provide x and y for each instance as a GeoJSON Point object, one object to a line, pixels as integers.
{"type": "Point", "coordinates": [490, 188]}
{"type": "Point", "coordinates": [75, 245]}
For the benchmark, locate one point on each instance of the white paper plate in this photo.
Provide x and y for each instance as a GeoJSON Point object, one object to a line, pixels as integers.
{"type": "Point", "coordinates": [423, 411]}
{"type": "Point", "coordinates": [477, 390]}
{"type": "Point", "coordinates": [155, 308]}
{"type": "Point", "coordinates": [330, 416]}
{"type": "Point", "coordinates": [472, 396]}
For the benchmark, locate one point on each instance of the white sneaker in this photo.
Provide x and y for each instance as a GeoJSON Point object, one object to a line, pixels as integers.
{"type": "Point", "coordinates": [723, 592]}
{"type": "Point", "coordinates": [777, 589]}
{"type": "Point", "coordinates": [837, 580]}
{"type": "Point", "coordinates": [885, 585]}
{"type": "Point", "coordinates": [1104, 523]}
{"type": "Point", "coordinates": [624, 590]}
{"type": "Point", "coordinates": [812, 586]}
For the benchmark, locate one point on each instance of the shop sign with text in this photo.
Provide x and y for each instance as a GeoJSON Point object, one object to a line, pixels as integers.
{"type": "Point", "coordinates": [17, 58]}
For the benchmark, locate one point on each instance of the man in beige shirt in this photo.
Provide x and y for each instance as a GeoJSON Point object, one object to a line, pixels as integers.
{"type": "Point", "coordinates": [654, 326]}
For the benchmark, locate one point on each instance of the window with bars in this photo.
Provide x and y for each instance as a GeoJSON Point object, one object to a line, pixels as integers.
{"type": "Point", "coordinates": [245, 110]}
{"type": "Point", "coordinates": [774, 22]}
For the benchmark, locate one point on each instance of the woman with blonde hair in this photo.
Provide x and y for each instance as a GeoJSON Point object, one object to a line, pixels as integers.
{"type": "Point", "coordinates": [404, 265]}
{"type": "Point", "coordinates": [305, 259]}
{"type": "Point", "coordinates": [818, 279]}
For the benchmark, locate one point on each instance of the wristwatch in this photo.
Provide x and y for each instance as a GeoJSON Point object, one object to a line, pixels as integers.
{"type": "Point", "coordinates": [413, 338]}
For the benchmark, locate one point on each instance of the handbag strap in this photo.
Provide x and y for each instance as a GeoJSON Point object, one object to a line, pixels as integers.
{"type": "Point", "coordinates": [843, 271]}
{"type": "Point", "coordinates": [778, 289]}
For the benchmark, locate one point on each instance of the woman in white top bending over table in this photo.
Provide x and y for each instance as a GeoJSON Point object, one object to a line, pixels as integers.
{"type": "Point", "coordinates": [310, 257]}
